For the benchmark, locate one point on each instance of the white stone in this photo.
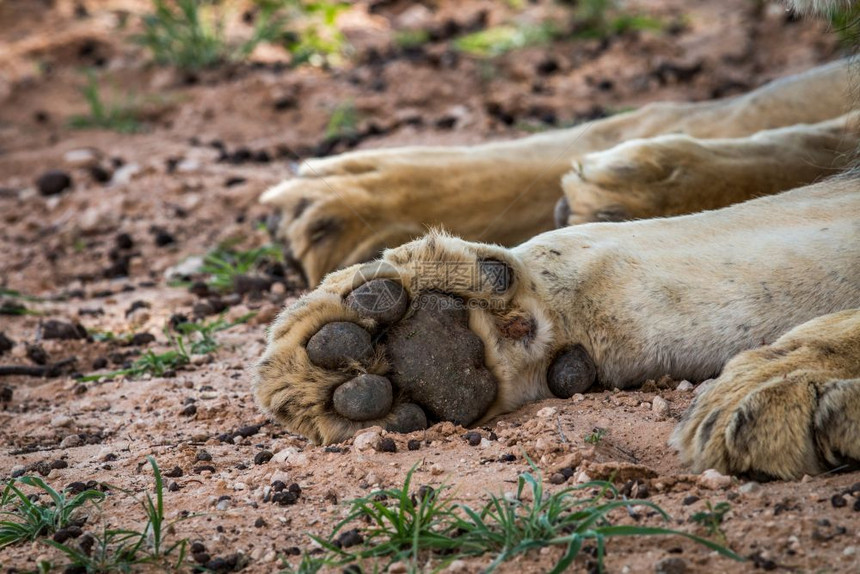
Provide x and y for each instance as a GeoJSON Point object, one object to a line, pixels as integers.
{"type": "Point", "coordinates": [581, 477]}
{"type": "Point", "coordinates": [547, 412]}
{"type": "Point", "coordinates": [685, 386]}
{"type": "Point", "coordinates": [366, 440]}
{"type": "Point", "coordinates": [62, 421]}
{"type": "Point", "coordinates": [750, 487]}
{"type": "Point", "coordinates": [70, 441]}
{"type": "Point", "coordinates": [83, 157]}
{"type": "Point", "coordinates": [849, 551]}
{"type": "Point", "coordinates": [713, 480]}
{"type": "Point", "coordinates": [283, 455]}
{"type": "Point", "coordinates": [125, 174]}
{"type": "Point", "coordinates": [660, 406]}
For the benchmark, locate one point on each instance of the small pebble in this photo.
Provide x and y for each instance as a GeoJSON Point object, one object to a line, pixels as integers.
{"type": "Point", "coordinates": [53, 182]}
{"type": "Point", "coordinates": [263, 457]}
{"type": "Point", "coordinates": [473, 438]}
{"type": "Point", "coordinates": [413, 444]}
{"type": "Point", "coordinates": [70, 441]}
{"type": "Point", "coordinates": [660, 406]}
{"type": "Point", "coordinates": [713, 480]}
{"type": "Point", "coordinates": [838, 501]}
{"type": "Point", "coordinates": [386, 444]}
{"type": "Point", "coordinates": [685, 386]}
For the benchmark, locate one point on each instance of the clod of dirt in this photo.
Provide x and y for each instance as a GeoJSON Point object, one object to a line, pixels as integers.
{"type": "Point", "coordinates": [439, 363]}
{"type": "Point", "coordinates": [66, 533]}
{"type": "Point", "coordinates": [163, 238]}
{"type": "Point", "coordinates": [6, 394]}
{"type": "Point", "coordinates": [263, 457]}
{"type": "Point", "coordinates": [571, 372]}
{"type": "Point", "coordinates": [254, 285]}
{"type": "Point", "coordinates": [140, 339]}
{"type": "Point", "coordinates": [413, 444]}
{"type": "Point", "coordinates": [174, 472]}
{"type": "Point", "coordinates": [53, 182]}
{"type": "Point", "coordinates": [203, 456]}
{"type": "Point", "coordinates": [124, 241]}
{"type": "Point", "coordinates": [53, 329]}
{"type": "Point", "coordinates": [188, 411]}
{"type": "Point", "coordinates": [6, 343]}
{"type": "Point", "coordinates": [339, 344]}
{"type": "Point", "coordinates": [473, 438]}
{"type": "Point", "coordinates": [386, 444]}
{"type": "Point", "coordinates": [381, 299]}
{"type": "Point", "coordinates": [349, 538]}
{"type": "Point", "coordinates": [364, 398]}
{"type": "Point", "coordinates": [37, 354]}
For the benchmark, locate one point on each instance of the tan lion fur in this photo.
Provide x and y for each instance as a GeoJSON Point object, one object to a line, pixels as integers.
{"type": "Point", "coordinates": [347, 209]}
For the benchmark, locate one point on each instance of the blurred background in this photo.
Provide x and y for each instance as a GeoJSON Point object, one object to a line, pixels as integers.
{"type": "Point", "coordinates": [165, 119]}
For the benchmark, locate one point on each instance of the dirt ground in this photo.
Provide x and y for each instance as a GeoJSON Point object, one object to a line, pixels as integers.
{"type": "Point", "coordinates": [97, 254]}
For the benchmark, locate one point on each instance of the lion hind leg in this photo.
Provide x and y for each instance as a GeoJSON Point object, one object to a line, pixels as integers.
{"type": "Point", "coordinates": [783, 410]}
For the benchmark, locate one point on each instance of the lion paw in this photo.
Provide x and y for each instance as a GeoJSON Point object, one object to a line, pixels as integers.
{"type": "Point", "coordinates": [440, 329]}
{"type": "Point", "coordinates": [784, 410]}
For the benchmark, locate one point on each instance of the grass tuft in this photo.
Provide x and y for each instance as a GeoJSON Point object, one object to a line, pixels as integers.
{"type": "Point", "coordinates": [428, 525]}
{"type": "Point", "coordinates": [104, 114]}
{"type": "Point", "coordinates": [28, 519]}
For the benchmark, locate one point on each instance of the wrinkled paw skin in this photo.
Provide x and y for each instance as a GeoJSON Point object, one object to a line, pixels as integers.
{"type": "Point", "coordinates": [439, 329]}
{"type": "Point", "coordinates": [784, 410]}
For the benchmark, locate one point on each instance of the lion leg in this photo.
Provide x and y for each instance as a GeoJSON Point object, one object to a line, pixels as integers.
{"type": "Point", "coordinates": [677, 174]}
{"type": "Point", "coordinates": [343, 210]}
{"type": "Point", "coordinates": [784, 410]}
{"type": "Point", "coordinates": [445, 329]}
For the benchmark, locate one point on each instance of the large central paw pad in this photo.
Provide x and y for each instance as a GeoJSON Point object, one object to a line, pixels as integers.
{"type": "Point", "coordinates": [439, 363]}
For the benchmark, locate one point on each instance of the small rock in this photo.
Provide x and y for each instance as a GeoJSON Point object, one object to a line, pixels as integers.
{"type": "Point", "coordinates": [413, 444]}
{"type": "Point", "coordinates": [660, 406]}
{"type": "Point", "coordinates": [366, 440]}
{"type": "Point", "coordinates": [53, 329]}
{"type": "Point", "coordinates": [750, 487]}
{"type": "Point", "coordinates": [62, 421]}
{"type": "Point", "coordinates": [71, 441]}
{"type": "Point", "coordinates": [82, 158]}
{"type": "Point", "coordinates": [386, 444]}
{"type": "Point", "coordinates": [688, 500]}
{"type": "Point", "coordinates": [53, 182]}
{"type": "Point", "coordinates": [713, 480]}
{"type": "Point", "coordinates": [6, 343]}
{"type": "Point", "coordinates": [189, 411]}
{"type": "Point", "coordinates": [263, 457]}
{"type": "Point", "coordinates": [547, 412]}
{"type": "Point", "coordinates": [174, 472]}
{"type": "Point", "coordinates": [838, 501]}
{"type": "Point", "coordinates": [685, 386]}
{"type": "Point", "coordinates": [673, 565]}
{"type": "Point", "coordinates": [164, 238]}
{"type": "Point", "coordinates": [473, 438]}
{"type": "Point", "coordinates": [557, 478]}
{"type": "Point", "coordinates": [349, 538]}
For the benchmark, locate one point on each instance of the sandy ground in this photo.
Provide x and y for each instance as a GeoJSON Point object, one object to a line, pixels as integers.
{"type": "Point", "coordinates": [97, 253]}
